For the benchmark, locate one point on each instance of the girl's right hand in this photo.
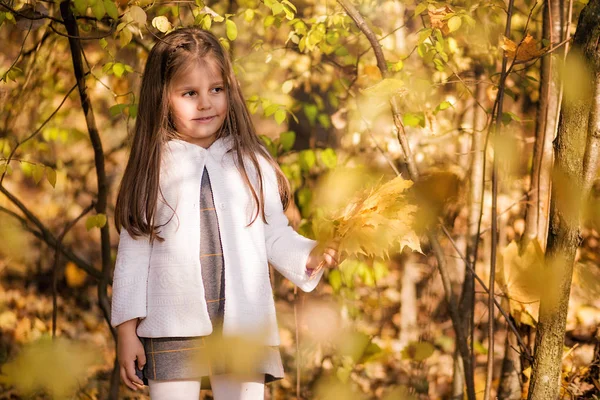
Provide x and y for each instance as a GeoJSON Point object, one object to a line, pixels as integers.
{"type": "Point", "coordinates": [130, 349]}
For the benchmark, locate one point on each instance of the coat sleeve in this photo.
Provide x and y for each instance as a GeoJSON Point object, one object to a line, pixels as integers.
{"type": "Point", "coordinates": [287, 250]}
{"type": "Point", "coordinates": [130, 278]}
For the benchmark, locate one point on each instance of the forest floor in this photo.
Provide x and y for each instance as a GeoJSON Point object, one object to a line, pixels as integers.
{"type": "Point", "coordinates": [370, 364]}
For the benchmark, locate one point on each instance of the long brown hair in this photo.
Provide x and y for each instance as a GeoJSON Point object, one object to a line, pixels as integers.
{"type": "Point", "coordinates": [135, 208]}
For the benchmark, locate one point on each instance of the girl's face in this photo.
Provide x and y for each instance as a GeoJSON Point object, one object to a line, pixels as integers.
{"type": "Point", "coordinates": [198, 102]}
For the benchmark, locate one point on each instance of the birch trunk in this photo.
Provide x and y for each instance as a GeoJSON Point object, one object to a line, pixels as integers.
{"type": "Point", "coordinates": [577, 140]}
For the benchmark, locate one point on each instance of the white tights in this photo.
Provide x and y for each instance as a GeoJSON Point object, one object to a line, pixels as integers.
{"type": "Point", "coordinates": [224, 387]}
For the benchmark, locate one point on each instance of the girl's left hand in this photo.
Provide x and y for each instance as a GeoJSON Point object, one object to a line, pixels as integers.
{"type": "Point", "coordinates": [323, 256]}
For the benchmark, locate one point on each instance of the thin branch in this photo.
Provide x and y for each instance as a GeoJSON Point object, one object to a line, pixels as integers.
{"type": "Point", "coordinates": [494, 239]}
{"type": "Point", "coordinates": [31, 18]}
{"type": "Point", "coordinates": [102, 36]}
{"type": "Point", "coordinates": [469, 265]}
{"type": "Point", "coordinates": [19, 55]}
{"type": "Point", "coordinates": [364, 28]}
{"type": "Point", "coordinates": [57, 252]}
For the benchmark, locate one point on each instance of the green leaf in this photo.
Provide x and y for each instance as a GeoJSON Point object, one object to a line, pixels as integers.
{"type": "Point", "coordinates": [397, 66]}
{"type": "Point", "coordinates": [38, 172]}
{"type": "Point", "coordinates": [442, 106]}
{"type": "Point", "coordinates": [95, 221]}
{"type": "Point", "coordinates": [269, 145]}
{"type": "Point", "coordinates": [424, 35]}
{"type": "Point", "coordinates": [103, 43]}
{"type": "Point", "coordinates": [335, 279]}
{"type": "Point", "coordinates": [101, 220]}
{"type": "Point", "coordinates": [231, 30]}
{"type": "Point", "coordinates": [329, 158]}
{"type": "Point", "coordinates": [138, 15]}
{"type": "Point", "coordinates": [304, 196]}
{"type": "Point", "coordinates": [98, 10]}
{"type": "Point", "coordinates": [324, 120]}
{"type": "Point", "coordinates": [271, 109]}
{"type": "Point", "coordinates": [5, 168]}
{"type": "Point", "coordinates": [111, 9]}
{"type": "Point", "coordinates": [311, 111]}
{"type": "Point", "coordinates": [162, 24]}
{"type": "Point", "coordinates": [422, 6]}
{"type": "Point", "coordinates": [118, 69]}
{"type": "Point", "coordinates": [277, 8]}
{"type": "Point", "coordinates": [413, 119]}
{"type": "Point", "coordinates": [125, 37]}
{"type": "Point", "coordinates": [287, 139]}
{"type": "Point", "coordinates": [133, 110]}
{"type": "Point", "coordinates": [51, 176]}
{"type": "Point", "coordinates": [508, 116]}
{"type": "Point", "coordinates": [418, 351]}
{"type": "Point", "coordinates": [280, 115]}
{"type": "Point", "coordinates": [307, 159]}
{"type": "Point", "coordinates": [117, 109]}
{"type": "Point", "coordinates": [454, 23]}
{"type": "Point", "coordinates": [107, 67]}
{"type": "Point", "coordinates": [80, 6]}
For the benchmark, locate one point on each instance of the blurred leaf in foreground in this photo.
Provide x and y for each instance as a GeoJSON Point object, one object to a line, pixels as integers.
{"type": "Point", "coordinates": [521, 277]}
{"type": "Point", "coordinates": [57, 367]}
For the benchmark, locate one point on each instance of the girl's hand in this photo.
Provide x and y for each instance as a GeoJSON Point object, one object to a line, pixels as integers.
{"type": "Point", "coordinates": [323, 256]}
{"type": "Point", "coordinates": [130, 348]}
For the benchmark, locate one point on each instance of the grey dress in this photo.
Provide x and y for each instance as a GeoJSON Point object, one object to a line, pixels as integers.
{"type": "Point", "coordinates": [189, 357]}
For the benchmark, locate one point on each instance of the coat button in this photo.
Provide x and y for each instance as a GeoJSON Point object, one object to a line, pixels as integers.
{"type": "Point", "coordinates": [222, 206]}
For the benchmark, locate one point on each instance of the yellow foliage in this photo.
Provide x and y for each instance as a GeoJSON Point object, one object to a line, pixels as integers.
{"type": "Point", "coordinates": [521, 277]}
{"type": "Point", "coordinates": [57, 367]}
{"type": "Point", "coordinates": [373, 222]}
{"type": "Point", "coordinates": [74, 275]}
{"type": "Point", "coordinates": [525, 51]}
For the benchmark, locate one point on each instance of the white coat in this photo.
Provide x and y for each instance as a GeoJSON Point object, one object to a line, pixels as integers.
{"type": "Point", "coordinates": [162, 283]}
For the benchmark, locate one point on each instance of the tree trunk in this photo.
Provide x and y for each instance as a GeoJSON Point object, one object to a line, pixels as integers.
{"type": "Point", "coordinates": [536, 222]}
{"type": "Point", "coordinates": [509, 387]}
{"type": "Point", "coordinates": [537, 208]}
{"type": "Point", "coordinates": [102, 197]}
{"type": "Point", "coordinates": [570, 189]}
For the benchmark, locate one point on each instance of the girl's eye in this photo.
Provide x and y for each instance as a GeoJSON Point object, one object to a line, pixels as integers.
{"type": "Point", "coordinates": [191, 93]}
{"type": "Point", "coordinates": [218, 89]}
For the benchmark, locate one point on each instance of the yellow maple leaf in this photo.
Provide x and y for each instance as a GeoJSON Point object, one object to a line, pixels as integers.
{"type": "Point", "coordinates": [526, 50]}
{"type": "Point", "coordinates": [374, 221]}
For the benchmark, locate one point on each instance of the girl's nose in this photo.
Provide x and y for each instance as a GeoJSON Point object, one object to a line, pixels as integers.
{"type": "Point", "coordinates": [203, 102]}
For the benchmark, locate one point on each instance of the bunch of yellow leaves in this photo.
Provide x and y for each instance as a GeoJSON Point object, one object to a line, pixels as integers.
{"type": "Point", "coordinates": [375, 222]}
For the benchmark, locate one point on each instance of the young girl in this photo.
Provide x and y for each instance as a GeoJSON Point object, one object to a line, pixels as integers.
{"type": "Point", "coordinates": [200, 212]}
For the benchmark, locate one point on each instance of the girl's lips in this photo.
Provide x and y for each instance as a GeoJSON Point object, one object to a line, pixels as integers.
{"type": "Point", "coordinates": [204, 120]}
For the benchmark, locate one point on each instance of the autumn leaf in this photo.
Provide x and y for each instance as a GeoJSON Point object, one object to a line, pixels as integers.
{"type": "Point", "coordinates": [521, 277]}
{"type": "Point", "coordinates": [526, 50]}
{"type": "Point", "coordinates": [438, 20]}
{"type": "Point", "coordinates": [74, 275]}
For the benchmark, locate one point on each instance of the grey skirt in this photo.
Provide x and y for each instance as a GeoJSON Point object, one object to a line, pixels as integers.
{"type": "Point", "coordinates": [200, 357]}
